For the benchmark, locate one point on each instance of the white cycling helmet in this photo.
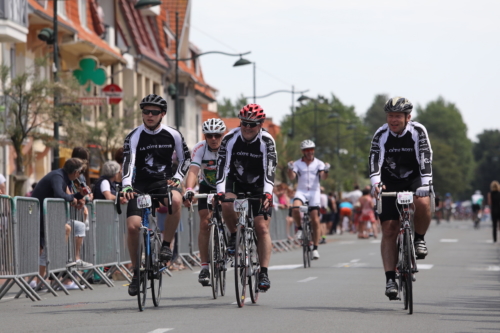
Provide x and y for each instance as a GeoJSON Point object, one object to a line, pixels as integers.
{"type": "Point", "coordinates": [307, 144]}
{"type": "Point", "coordinates": [214, 126]}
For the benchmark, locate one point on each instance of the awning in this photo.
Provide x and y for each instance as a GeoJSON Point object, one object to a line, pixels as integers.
{"type": "Point", "coordinates": [83, 48]}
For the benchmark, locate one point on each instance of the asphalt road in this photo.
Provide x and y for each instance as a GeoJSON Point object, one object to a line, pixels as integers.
{"type": "Point", "coordinates": [457, 290]}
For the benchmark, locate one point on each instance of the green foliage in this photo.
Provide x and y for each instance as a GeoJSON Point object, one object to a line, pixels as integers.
{"type": "Point", "coordinates": [227, 109]}
{"type": "Point", "coordinates": [487, 154]}
{"type": "Point", "coordinates": [375, 116]}
{"type": "Point", "coordinates": [340, 137]}
{"type": "Point", "coordinates": [452, 150]}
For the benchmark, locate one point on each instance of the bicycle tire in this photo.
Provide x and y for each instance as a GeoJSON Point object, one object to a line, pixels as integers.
{"type": "Point", "coordinates": [156, 276]}
{"type": "Point", "coordinates": [253, 279]}
{"type": "Point", "coordinates": [408, 272]}
{"type": "Point", "coordinates": [307, 226]}
{"type": "Point", "coordinates": [305, 244]}
{"type": "Point", "coordinates": [222, 263]}
{"type": "Point", "coordinates": [142, 265]}
{"type": "Point", "coordinates": [240, 266]}
{"type": "Point", "coordinates": [213, 257]}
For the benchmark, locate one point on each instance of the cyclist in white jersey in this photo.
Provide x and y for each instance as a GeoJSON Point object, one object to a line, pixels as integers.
{"type": "Point", "coordinates": [204, 167]}
{"type": "Point", "coordinates": [309, 171]}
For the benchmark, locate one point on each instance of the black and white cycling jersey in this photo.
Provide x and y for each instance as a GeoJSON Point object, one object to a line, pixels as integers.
{"type": "Point", "coordinates": [251, 163]}
{"type": "Point", "coordinates": [151, 152]}
{"type": "Point", "coordinates": [400, 157]}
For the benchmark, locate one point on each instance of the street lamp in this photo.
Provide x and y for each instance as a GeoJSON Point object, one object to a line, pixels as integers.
{"type": "Point", "coordinates": [141, 4]}
{"type": "Point", "coordinates": [174, 91]}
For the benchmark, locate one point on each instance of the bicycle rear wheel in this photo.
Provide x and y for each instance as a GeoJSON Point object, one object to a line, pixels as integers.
{"type": "Point", "coordinates": [222, 263]}
{"type": "Point", "coordinates": [253, 279]}
{"type": "Point", "coordinates": [213, 245]}
{"type": "Point", "coordinates": [306, 243]}
{"type": "Point", "coordinates": [142, 264]}
{"type": "Point", "coordinates": [156, 274]}
{"type": "Point", "coordinates": [408, 273]}
{"type": "Point", "coordinates": [240, 266]}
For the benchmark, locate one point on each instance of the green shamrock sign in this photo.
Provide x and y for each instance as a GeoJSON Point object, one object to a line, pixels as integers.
{"type": "Point", "coordinates": [89, 72]}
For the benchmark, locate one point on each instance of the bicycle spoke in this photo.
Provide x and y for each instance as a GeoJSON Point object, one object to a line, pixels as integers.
{"type": "Point", "coordinates": [142, 264]}
{"type": "Point", "coordinates": [213, 259]}
{"type": "Point", "coordinates": [240, 269]}
{"type": "Point", "coordinates": [156, 265]}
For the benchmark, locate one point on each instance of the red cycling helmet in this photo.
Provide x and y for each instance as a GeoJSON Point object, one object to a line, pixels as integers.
{"type": "Point", "coordinates": [252, 112]}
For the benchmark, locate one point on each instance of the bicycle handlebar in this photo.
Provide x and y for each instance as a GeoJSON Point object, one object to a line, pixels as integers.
{"type": "Point", "coordinates": [249, 199]}
{"type": "Point", "coordinates": [394, 194]}
{"type": "Point", "coordinates": [168, 195]}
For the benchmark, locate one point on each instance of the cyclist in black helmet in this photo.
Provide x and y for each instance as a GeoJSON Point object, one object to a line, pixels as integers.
{"type": "Point", "coordinates": [147, 165]}
{"type": "Point", "coordinates": [401, 158]}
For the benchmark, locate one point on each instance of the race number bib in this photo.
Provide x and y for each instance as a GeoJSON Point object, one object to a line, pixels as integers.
{"type": "Point", "coordinates": [240, 205]}
{"type": "Point", "coordinates": [405, 198]}
{"type": "Point", "coordinates": [143, 201]}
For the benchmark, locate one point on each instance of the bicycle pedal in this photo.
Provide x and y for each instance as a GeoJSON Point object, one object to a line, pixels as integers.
{"type": "Point", "coordinates": [413, 278]}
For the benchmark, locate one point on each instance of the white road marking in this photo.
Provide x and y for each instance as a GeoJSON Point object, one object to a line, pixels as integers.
{"type": "Point", "coordinates": [376, 241]}
{"type": "Point", "coordinates": [355, 260]}
{"type": "Point", "coordinates": [424, 266]}
{"type": "Point", "coordinates": [161, 330]}
{"type": "Point", "coordinates": [493, 268]}
{"type": "Point", "coordinates": [281, 267]}
{"type": "Point", "coordinates": [247, 300]}
{"type": "Point", "coordinates": [308, 279]}
{"type": "Point", "coordinates": [350, 265]}
{"type": "Point", "coordinates": [347, 242]}
{"type": "Point", "coordinates": [489, 241]}
{"type": "Point", "coordinates": [444, 240]}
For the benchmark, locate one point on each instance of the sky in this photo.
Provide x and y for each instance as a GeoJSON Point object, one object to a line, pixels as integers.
{"type": "Point", "coordinates": [355, 49]}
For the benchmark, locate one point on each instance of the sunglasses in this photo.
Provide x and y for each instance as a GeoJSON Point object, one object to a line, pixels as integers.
{"type": "Point", "coordinates": [153, 112]}
{"type": "Point", "coordinates": [249, 124]}
{"type": "Point", "coordinates": [213, 136]}
{"type": "Point", "coordinates": [307, 150]}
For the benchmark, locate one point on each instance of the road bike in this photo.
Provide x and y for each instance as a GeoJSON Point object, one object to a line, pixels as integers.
{"type": "Point", "coordinates": [217, 247]}
{"type": "Point", "coordinates": [148, 262]}
{"type": "Point", "coordinates": [406, 267]}
{"type": "Point", "coordinates": [246, 257]}
{"type": "Point", "coordinates": [306, 234]}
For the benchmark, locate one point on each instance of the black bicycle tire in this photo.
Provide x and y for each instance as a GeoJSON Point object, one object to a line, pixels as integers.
{"type": "Point", "coordinates": [212, 255]}
{"type": "Point", "coordinates": [305, 243]}
{"type": "Point", "coordinates": [222, 263]}
{"type": "Point", "coordinates": [156, 265]}
{"type": "Point", "coordinates": [307, 227]}
{"type": "Point", "coordinates": [409, 271]}
{"type": "Point", "coordinates": [240, 270]}
{"type": "Point", "coordinates": [253, 280]}
{"type": "Point", "coordinates": [142, 266]}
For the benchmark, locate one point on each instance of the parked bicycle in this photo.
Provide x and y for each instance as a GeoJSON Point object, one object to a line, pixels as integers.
{"type": "Point", "coordinates": [306, 238]}
{"type": "Point", "coordinates": [406, 267]}
{"type": "Point", "coordinates": [148, 262]}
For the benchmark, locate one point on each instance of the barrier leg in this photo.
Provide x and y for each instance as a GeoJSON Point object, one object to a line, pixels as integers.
{"type": "Point", "coordinates": [6, 286]}
{"type": "Point", "coordinates": [46, 284]}
{"type": "Point", "coordinates": [27, 290]}
{"type": "Point", "coordinates": [103, 276]}
{"type": "Point", "coordinates": [59, 283]}
{"type": "Point", "coordinates": [85, 282]}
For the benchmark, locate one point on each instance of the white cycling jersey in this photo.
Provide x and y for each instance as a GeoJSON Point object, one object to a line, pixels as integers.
{"type": "Point", "coordinates": [308, 175]}
{"type": "Point", "coordinates": [206, 159]}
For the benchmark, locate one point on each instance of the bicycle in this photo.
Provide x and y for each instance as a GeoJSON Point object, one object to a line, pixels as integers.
{"type": "Point", "coordinates": [148, 262]}
{"type": "Point", "coordinates": [217, 247]}
{"type": "Point", "coordinates": [406, 267]}
{"type": "Point", "coordinates": [306, 234]}
{"type": "Point", "coordinates": [246, 257]}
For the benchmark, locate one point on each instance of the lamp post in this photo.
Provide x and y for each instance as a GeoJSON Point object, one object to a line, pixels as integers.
{"type": "Point", "coordinates": [175, 90]}
{"type": "Point", "coordinates": [243, 62]}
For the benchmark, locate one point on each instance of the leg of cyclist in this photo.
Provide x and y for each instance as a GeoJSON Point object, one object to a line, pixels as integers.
{"type": "Point", "coordinates": [389, 250]}
{"type": "Point", "coordinates": [422, 220]}
{"type": "Point", "coordinates": [203, 239]}
{"type": "Point", "coordinates": [171, 224]}
{"type": "Point", "coordinates": [264, 248]}
{"type": "Point", "coordinates": [230, 218]}
{"type": "Point", "coordinates": [316, 235]}
{"type": "Point", "coordinates": [133, 227]}
{"type": "Point", "coordinates": [296, 217]}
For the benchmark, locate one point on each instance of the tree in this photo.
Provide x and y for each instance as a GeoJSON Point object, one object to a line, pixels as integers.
{"type": "Point", "coordinates": [28, 99]}
{"type": "Point", "coordinates": [487, 154]}
{"type": "Point", "coordinates": [227, 109]}
{"type": "Point", "coordinates": [453, 164]}
{"type": "Point", "coordinates": [375, 116]}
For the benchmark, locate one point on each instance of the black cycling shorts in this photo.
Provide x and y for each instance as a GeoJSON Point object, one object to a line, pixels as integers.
{"type": "Point", "coordinates": [476, 208]}
{"type": "Point", "coordinates": [145, 188]}
{"type": "Point", "coordinates": [234, 186]}
{"type": "Point", "coordinates": [202, 203]}
{"type": "Point", "coordinates": [389, 204]}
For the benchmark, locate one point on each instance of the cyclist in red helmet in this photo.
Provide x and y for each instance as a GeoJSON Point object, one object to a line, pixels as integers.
{"type": "Point", "coordinates": [247, 163]}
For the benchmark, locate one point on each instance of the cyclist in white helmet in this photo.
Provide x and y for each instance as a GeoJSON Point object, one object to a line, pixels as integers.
{"type": "Point", "coordinates": [309, 171]}
{"type": "Point", "coordinates": [204, 167]}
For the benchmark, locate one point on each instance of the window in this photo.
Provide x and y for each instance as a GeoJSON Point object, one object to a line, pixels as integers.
{"type": "Point", "coordinates": [61, 8]}
{"type": "Point", "coordinates": [82, 10]}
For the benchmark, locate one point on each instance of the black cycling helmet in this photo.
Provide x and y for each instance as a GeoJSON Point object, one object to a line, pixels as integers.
{"type": "Point", "coordinates": [155, 100]}
{"type": "Point", "coordinates": [398, 104]}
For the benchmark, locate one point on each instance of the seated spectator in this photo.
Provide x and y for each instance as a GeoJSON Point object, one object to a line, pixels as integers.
{"type": "Point", "coordinates": [104, 188]}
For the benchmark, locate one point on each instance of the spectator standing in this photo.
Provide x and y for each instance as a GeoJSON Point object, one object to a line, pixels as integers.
{"type": "Point", "coordinates": [366, 215]}
{"type": "Point", "coordinates": [494, 203]}
{"type": "Point", "coordinates": [104, 188]}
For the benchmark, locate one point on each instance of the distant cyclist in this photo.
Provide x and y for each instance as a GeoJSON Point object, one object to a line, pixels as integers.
{"type": "Point", "coordinates": [204, 167]}
{"type": "Point", "coordinates": [309, 171]}
{"type": "Point", "coordinates": [247, 163]}
{"type": "Point", "coordinates": [477, 204]}
{"type": "Point", "coordinates": [401, 158]}
{"type": "Point", "coordinates": [147, 167]}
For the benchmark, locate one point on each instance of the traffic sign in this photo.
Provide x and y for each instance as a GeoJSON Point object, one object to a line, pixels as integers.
{"type": "Point", "coordinates": [113, 92]}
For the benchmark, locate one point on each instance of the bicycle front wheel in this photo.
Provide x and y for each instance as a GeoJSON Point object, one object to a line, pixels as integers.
{"type": "Point", "coordinates": [213, 245]}
{"type": "Point", "coordinates": [222, 263]}
{"type": "Point", "coordinates": [155, 273]}
{"type": "Point", "coordinates": [142, 265]}
{"type": "Point", "coordinates": [306, 248]}
{"type": "Point", "coordinates": [240, 266]}
{"type": "Point", "coordinates": [253, 278]}
{"type": "Point", "coordinates": [408, 273]}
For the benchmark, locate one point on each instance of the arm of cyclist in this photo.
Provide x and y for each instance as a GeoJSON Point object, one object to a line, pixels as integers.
{"type": "Point", "coordinates": [267, 201]}
{"type": "Point", "coordinates": [323, 174]}
{"type": "Point", "coordinates": [190, 183]}
{"type": "Point", "coordinates": [291, 173]}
